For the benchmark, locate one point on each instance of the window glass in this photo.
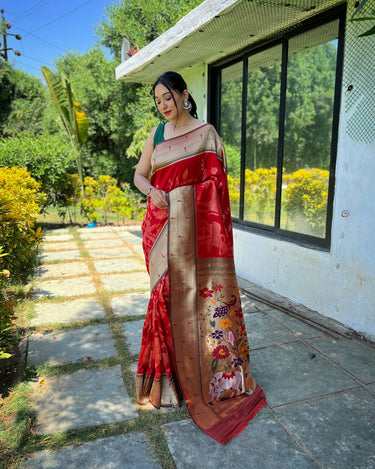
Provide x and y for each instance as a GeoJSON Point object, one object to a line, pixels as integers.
{"type": "Point", "coordinates": [310, 91]}
{"type": "Point", "coordinates": [280, 176]}
{"type": "Point", "coordinates": [230, 129]}
{"type": "Point", "coordinates": [262, 130]}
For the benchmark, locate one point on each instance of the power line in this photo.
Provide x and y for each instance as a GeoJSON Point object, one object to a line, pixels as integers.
{"type": "Point", "coordinates": [30, 11]}
{"type": "Point", "coordinates": [36, 60]}
{"type": "Point", "coordinates": [41, 39]}
{"type": "Point", "coordinates": [28, 65]}
{"type": "Point", "coordinates": [62, 16]}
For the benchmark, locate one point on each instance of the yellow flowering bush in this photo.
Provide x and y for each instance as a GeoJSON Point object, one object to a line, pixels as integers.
{"type": "Point", "coordinates": [91, 203]}
{"type": "Point", "coordinates": [259, 194]}
{"type": "Point", "coordinates": [20, 205]}
{"type": "Point", "coordinates": [103, 195]}
{"type": "Point", "coordinates": [306, 197]}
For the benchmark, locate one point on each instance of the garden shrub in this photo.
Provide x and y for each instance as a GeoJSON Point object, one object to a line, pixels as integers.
{"type": "Point", "coordinates": [6, 308]}
{"type": "Point", "coordinates": [306, 196]}
{"type": "Point", "coordinates": [20, 206]}
{"type": "Point", "coordinates": [49, 159]}
{"type": "Point", "coordinates": [91, 203]}
{"type": "Point", "coordinates": [104, 196]}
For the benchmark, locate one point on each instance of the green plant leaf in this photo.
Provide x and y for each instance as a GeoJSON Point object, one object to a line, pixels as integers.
{"type": "Point", "coordinates": [370, 32]}
{"type": "Point", "coordinates": [60, 98]}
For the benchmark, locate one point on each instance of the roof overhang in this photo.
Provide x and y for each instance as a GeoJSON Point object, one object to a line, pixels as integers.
{"type": "Point", "coordinates": [215, 29]}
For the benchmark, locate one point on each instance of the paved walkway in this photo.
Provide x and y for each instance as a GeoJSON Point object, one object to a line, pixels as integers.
{"type": "Point", "coordinates": [90, 299]}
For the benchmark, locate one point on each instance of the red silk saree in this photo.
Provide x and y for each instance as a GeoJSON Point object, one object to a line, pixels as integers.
{"type": "Point", "coordinates": [194, 338]}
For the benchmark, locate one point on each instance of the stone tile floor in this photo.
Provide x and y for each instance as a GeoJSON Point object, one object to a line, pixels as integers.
{"type": "Point", "coordinates": [89, 310]}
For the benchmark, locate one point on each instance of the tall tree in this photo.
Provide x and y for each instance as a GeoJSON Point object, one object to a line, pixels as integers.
{"type": "Point", "coordinates": [140, 21]}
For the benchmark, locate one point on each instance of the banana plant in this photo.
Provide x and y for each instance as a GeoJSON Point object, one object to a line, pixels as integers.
{"type": "Point", "coordinates": [74, 119]}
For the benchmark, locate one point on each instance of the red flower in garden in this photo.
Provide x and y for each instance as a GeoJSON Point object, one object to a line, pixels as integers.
{"type": "Point", "coordinates": [205, 292]}
{"type": "Point", "coordinates": [221, 352]}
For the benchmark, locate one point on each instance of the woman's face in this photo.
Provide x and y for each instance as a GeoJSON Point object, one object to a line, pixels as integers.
{"type": "Point", "coordinates": [165, 103]}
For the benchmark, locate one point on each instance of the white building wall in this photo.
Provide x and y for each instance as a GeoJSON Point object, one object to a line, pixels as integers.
{"type": "Point", "coordinates": [196, 79]}
{"type": "Point", "coordinates": [339, 284]}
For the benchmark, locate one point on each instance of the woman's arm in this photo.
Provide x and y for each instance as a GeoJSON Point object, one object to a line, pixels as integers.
{"type": "Point", "coordinates": [142, 173]}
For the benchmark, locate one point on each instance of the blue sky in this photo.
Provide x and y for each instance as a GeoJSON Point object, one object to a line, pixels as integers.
{"type": "Point", "coordinates": [50, 28]}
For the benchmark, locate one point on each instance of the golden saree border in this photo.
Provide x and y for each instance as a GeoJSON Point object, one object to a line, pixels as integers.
{"type": "Point", "coordinates": [219, 392]}
{"type": "Point", "coordinates": [200, 140]}
{"type": "Point", "coordinates": [158, 263]}
{"type": "Point", "coordinates": [182, 281]}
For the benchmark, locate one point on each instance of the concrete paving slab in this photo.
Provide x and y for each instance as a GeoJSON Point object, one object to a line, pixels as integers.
{"type": "Point", "coordinates": [119, 265]}
{"type": "Point", "coordinates": [123, 451]}
{"type": "Point", "coordinates": [64, 287]}
{"type": "Point", "coordinates": [66, 269]}
{"type": "Point", "coordinates": [299, 327]}
{"type": "Point", "coordinates": [338, 430]}
{"type": "Point", "coordinates": [70, 311]}
{"type": "Point", "coordinates": [132, 228]}
{"type": "Point", "coordinates": [132, 238]}
{"type": "Point", "coordinates": [110, 252]}
{"type": "Point", "coordinates": [58, 235]}
{"type": "Point", "coordinates": [249, 305]}
{"type": "Point", "coordinates": [263, 331]}
{"type": "Point", "coordinates": [102, 243]}
{"type": "Point", "coordinates": [130, 281]}
{"type": "Point", "coordinates": [133, 332]}
{"type": "Point", "coordinates": [138, 249]}
{"type": "Point", "coordinates": [53, 256]}
{"type": "Point", "coordinates": [87, 397]}
{"type": "Point", "coordinates": [66, 246]}
{"type": "Point", "coordinates": [58, 348]}
{"type": "Point", "coordinates": [97, 229]}
{"type": "Point", "coordinates": [95, 234]}
{"type": "Point", "coordinates": [285, 303]}
{"type": "Point", "coordinates": [131, 304]}
{"type": "Point", "coordinates": [254, 305]}
{"type": "Point", "coordinates": [288, 374]}
{"type": "Point", "coordinates": [353, 356]}
{"type": "Point", "coordinates": [263, 444]}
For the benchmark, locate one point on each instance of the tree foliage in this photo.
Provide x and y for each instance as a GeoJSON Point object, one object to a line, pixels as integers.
{"type": "Point", "coordinates": [308, 119]}
{"type": "Point", "coordinates": [23, 102]}
{"type": "Point", "coordinates": [105, 103]}
{"type": "Point", "coordinates": [48, 158]}
{"type": "Point", "coordinates": [140, 21]}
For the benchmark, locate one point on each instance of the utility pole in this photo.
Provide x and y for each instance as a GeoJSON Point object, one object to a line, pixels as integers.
{"type": "Point", "coordinates": [3, 29]}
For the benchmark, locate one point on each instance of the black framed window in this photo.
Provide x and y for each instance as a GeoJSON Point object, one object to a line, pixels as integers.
{"type": "Point", "coordinates": [276, 108]}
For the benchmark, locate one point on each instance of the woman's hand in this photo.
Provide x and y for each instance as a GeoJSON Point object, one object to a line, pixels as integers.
{"type": "Point", "coordinates": [159, 198]}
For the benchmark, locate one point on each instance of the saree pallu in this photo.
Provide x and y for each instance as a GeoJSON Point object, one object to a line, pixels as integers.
{"type": "Point", "coordinates": [194, 337]}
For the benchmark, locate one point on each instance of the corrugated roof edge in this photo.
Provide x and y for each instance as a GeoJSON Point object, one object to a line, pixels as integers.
{"type": "Point", "coordinates": [194, 20]}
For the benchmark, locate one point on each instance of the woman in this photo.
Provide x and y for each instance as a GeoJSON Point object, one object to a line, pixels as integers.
{"type": "Point", "coordinates": [194, 338]}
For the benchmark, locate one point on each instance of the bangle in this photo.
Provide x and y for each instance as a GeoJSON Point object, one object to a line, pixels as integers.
{"type": "Point", "coordinates": [148, 193]}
